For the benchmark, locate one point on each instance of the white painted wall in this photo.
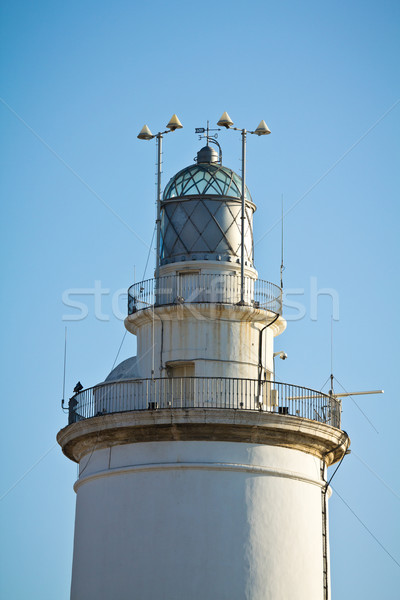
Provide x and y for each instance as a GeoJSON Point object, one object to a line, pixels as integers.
{"type": "Point", "coordinates": [198, 521]}
{"type": "Point", "coordinates": [222, 341]}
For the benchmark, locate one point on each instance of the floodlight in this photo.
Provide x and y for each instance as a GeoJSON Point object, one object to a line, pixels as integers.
{"type": "Point", "coordinates": [174, 123]}
{"type": "Point", "coordinates": [262, 129]}
{"type": "Point", "coordinates": [225, 121]}
{"type": "Point", "coordinates": [145, 133]}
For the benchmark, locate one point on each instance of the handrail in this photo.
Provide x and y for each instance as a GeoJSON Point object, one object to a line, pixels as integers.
{"type": "Point", "coordinates": [221, 288]}
{"type": "Point", "coordinates": [205, 392]}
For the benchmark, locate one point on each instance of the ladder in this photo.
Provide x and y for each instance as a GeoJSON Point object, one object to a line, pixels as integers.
{"type": "Point", "coordinates": [324, 535]}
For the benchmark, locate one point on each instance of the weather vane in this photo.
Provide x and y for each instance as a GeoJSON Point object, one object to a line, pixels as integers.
{"type": "Point", "coordinates": [211, 139]}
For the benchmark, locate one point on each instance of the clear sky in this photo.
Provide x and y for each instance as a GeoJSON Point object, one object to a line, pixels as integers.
{"type": "Point", "coordinates": [78, 81]}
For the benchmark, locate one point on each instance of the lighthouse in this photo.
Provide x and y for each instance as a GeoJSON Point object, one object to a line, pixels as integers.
{"type": "Point", "coordinates": [200, 476]}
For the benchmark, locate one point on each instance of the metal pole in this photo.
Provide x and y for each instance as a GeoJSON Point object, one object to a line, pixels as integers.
{"type": "Point", "coordinates": [244, 132]}
{"type": "Point", "coordinates": [158, 220]}
{"type": "Point", "coordinates": [65, 362]}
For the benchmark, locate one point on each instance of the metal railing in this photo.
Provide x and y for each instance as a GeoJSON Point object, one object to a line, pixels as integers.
{"type": "Point", "coordinates": [205, 392]}
{"type": "Point", "coordinates": [218, 288]}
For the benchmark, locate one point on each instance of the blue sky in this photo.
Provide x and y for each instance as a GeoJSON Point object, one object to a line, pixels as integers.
{"type": "Point", "coordinates": [78, 81]}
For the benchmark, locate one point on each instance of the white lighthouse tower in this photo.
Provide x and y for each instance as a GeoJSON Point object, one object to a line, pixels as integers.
{"type": "Point", "coordinates": [200, 477]}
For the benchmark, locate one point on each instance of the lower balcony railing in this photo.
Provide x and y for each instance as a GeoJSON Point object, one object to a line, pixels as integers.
{"type": "Point", "coordinates": [189, 288]}
{"type": "Point", "coordinates": [204, 392]}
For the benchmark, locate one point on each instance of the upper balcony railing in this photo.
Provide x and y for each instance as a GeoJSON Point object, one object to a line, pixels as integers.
{"type": "Point", "coordinates": [219, 288]}
{"type": "Point", "coordinates": [205, 393]}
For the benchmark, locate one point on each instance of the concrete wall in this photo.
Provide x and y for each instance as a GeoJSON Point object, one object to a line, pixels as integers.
{"type": "Point", "coordinates": [198, 521]}
{"type": "Point", "coordinates": [222, 341]}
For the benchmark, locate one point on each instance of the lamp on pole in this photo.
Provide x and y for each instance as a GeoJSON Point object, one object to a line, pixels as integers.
{"type": "Point", "coordinates": [145, 134]}
{"type": "Point", "coordinates": [262, 129]}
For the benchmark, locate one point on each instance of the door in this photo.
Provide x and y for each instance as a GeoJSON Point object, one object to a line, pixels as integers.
{"type": "Point", "coordinates": [182, 384]}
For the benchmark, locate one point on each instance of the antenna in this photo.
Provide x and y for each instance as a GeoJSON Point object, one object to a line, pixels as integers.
{"type": "Point", "coordinates": [348, 394]}
{"type": "Point", "coordinates": [65, 364]}
{"type": "Point", "coordinates": [332, 378]}
{"type": "Point", "coordinates": [359, 393]}
{"type": "Point", "coordinates": [282, 265]}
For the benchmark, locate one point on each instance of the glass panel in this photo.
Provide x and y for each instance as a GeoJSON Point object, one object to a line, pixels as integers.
{"type": "Point", "coordinates": [167, 192]}
{"type": "Point", "coordinates": [190, 188]}
{"type": "Point", "coordinates": [202, 186]}
{"type": "Point", "coordinates": [185, 176]}
{"type": "Point", "coordinates": [236, 186]}
{"type": "Point", "coordinates": [223, 183]}
{"type": "Point", "coordinates": [248, 195]}
{"type": "Point", "coordinates": [213, 188]}
{"type": "Point", "coordinates": [183, 181]}
{"type": "Point", "coordinates": [200, 180]}
{"type": "Point", "coordinates": [199, 175]}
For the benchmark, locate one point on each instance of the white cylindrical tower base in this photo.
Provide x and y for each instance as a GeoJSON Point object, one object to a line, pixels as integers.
{"type": "Point", "coordinates": [198, 520]}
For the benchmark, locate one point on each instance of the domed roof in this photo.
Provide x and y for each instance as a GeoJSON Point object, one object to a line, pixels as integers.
{"type": "Point", "coordinates": [127, 369]}
{"type": "Point", "coordinates": [207, 155]}
{"type": "Point", "coordinates": [205, 179]}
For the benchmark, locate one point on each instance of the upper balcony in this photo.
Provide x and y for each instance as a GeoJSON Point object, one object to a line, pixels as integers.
{"type": "Point", "coordinates": [219, 288]}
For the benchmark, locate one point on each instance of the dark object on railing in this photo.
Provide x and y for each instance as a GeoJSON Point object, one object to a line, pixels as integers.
{"type": "Point", "coordinates": [283, 410]}
{"type": "Point", "coordinates": [153, 405]}
{"type": "Point", "coordinates": [72, 404]}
